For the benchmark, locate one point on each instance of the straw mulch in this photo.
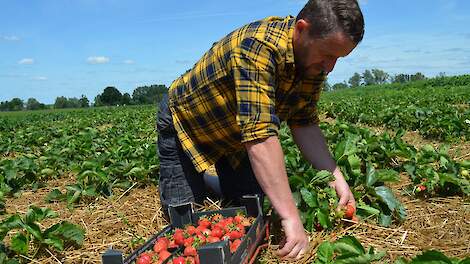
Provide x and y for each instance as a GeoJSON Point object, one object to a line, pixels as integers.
{"type": "Point", "coordinates": [132, 216]}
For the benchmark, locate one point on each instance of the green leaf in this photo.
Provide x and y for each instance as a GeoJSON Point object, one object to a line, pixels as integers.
{"type": "Point", "coordinates": [323, 218]}
{"type": "Point", "coordinates": [325, 253]}
{"type": "Point", "coordinates": [349, 245]}
{"type": "Point", "coordinates": [69, 232]}
{"type": "Point", "coordinates": [386, 196]}
{"type": "Point", "coordinates": [431, 257]}
{"type": "Point", "coordinates": [354, 259]}
{"type": "Point", "coordinates": [54, 242]}
{"type": "Point", "coordinates": [54, 195]}
{"type": "Point", "coordinates": [34, 230]}
{"type": "Point", "coordinates": [10, 223]}
{"type": "Point", "coordinates": [309, 197]}
{"type": "Point", "coordinates": [369, 210]}
{"type": "Point", "coordinates": [19, 243]}
{"type": "Point", "coordinates": [355, 164]}
{"type": "Point", "coordinates": [385, 175]}
{"type": "Point", "coordinates": [385, 220]}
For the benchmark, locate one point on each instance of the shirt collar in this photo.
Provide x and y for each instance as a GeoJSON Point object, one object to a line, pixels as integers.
{"type": "Point", "coordinates": [290, 46]}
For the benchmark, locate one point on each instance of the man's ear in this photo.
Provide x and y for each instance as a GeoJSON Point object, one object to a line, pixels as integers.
{"type": "Point", "coordinates": [301, 25]}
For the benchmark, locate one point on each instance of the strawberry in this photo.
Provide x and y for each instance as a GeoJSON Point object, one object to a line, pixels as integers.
{"type": "Point", "coordinates": [350, 210]}
{"type": "Point", "coordinates": [179, 237]}
{"type": "Point", "coordinates": [191, 230]}
{"type": "Point", "coordinates": [179, 260]}
{"type": "Point", "coordinates": [234, 235]}
{"type": "Point", "coordinates": [163, 255]}
{"type": "Point", "coordinates": [190, 251]}
{"type": "Point", "coordinates": [238, 219]}
{"type": "Point", "coordinates": [203, 221]}
{"type": "Point", "coordinates": [216, 218]}
{"type": "Point", "coordinates": [217, 232]}
{"type": "Point", "coordinates": [213, 239]}
{"type": "Point", "coordinates": [144, 258]}
{"type": "Point", "coordinates": [160, 245]}
{"type": "Point", "coordinates": [234, 245]}
{"type": "Point", "coordinates": [188, 241]}
{"type": "Point", "coordinates": [421, 188]}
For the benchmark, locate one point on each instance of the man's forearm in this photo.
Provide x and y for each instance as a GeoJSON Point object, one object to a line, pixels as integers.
{"type": "Point", "coordinates": [313, 146]}
{"type": "Point", "coordinates": [267, 160]}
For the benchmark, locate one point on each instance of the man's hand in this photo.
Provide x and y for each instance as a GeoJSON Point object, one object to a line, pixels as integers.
{"type": "Point", "coordinates": [342, 190]}
{"type": "Point", "coordinates": [296, 239]}
{"type": "Point", "coordinates": [267, 161]}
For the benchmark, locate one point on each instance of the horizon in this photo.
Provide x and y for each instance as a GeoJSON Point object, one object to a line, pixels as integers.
{"type": "Point", "coordinates": [51, 49]}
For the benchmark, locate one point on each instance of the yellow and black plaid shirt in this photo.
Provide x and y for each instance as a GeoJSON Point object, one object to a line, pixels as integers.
{"type": "Point", "coordinates": [239, 91]}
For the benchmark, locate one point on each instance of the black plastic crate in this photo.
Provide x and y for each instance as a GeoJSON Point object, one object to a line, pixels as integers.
{"type": "Point", "coordinates": [213, 253]}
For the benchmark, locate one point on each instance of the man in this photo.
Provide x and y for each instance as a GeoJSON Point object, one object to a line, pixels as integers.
{"type": "Point", "coordinates": [227, 110]}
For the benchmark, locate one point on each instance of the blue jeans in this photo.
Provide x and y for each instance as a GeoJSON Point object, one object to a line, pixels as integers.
{"type": "Point", "coordinates": [179, 181]}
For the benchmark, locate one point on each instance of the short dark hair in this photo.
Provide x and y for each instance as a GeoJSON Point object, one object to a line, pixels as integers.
{"type": "Point", "coordinates": [330, 16]}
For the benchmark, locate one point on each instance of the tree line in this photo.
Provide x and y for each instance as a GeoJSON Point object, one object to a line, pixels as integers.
{"type": "Point", "coordinates": [374, 77]}
{"type": "Point", "coordinates": [110, 96]}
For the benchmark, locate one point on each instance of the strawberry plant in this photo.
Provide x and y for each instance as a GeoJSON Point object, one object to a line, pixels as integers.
{"type": "Point", "coordinates": [432, 256]}
{"type": "Point", "coordinates": [346, 250]}
{"type": "Point", "coordinates": [28, 234]}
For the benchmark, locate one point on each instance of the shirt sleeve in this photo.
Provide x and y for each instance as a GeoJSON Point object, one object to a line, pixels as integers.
{"type": "Point", "coordinates": [253, 68]}
{"type": "Point", "coordinates": [306, 112]}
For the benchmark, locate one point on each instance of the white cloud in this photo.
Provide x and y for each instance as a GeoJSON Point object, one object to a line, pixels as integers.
{"type": "Point", "coordinates": [129, 62]}
{"type": "Point", "coordinates": [97, 60]}
{"type": "Point", "coordinates": [40, 78]}
{"type": "Point", "coordinates": [26, 61]}
{"type": "Point", "coordinates": [10, 38]}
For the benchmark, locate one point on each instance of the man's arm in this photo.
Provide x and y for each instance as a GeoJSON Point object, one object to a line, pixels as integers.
{"type": "Point", "coordinates": [267, 161]}
{"type": "Point", "coordinates": [313, 146]}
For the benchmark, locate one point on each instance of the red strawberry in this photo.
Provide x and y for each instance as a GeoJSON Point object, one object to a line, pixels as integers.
{"type": "Point", "coordinates": [234, 235]}
{"type": "Point", "coordinates": [191, 230]}
{"type": "Point", "coordinates": [213, 239]}
{"type": "Point", "coordinates": [144, 258]}
{"type": "Point", "coordinates": [203, 221]}
{"type": "Point", "coordinates": [163, 255]}
{"type": "Point", "coordinates": [350, 210]}
{"type": "Point", "coordinates": [179, 238]}
{"type": "Point", "coordinates": [188, 241]}
{"type": "Point", "coordinates": [178, 260]}
{"type": "Point", "coordinates": [217, 232]}
{"type": "Point", "coordinates": [160, 245]}
{"type": "Point", "coordinates": [216, 218]}
{"type": "Point", "coordinates": [234, 245]}
{"type": "Point", "coordinates": [190, 251]}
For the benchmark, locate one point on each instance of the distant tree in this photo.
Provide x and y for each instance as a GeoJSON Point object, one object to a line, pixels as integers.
{"type": "Point", "coordinates": [126, 99]}
{"type": "Point", "coordinates": [368, 77]}
{"type": "Point", "coordinates": [84, 102]}
{"type": "Point", "coordinates": [418, 76]}
{"type": "Point", "coordinates": [73, 102]}
{"type": "Point", "coordinates": [4, 106]}
{"type": "Point", "coordinates": [149, 94]}
{"type": "Point", "coordinates": [380, 77]}
{"type": "Point", "coordinates": [355, 80]}
{"type": "Point", "coordinates": [33, 104]}
{"type": "Point", "coordinates": [16, 104]}
{"type": "Point", "coordinates": [98, 101]}
{"type": "Point", "coordinates": [326, 86]}
{"type": "Point", "coordinates": [60, 102]}
{"type": "Point", "coordinates": [339, 86]}
{"type": "Point", "coordinates": [111, 96]}
{"type": "Point", "coordinates": [401, 78]}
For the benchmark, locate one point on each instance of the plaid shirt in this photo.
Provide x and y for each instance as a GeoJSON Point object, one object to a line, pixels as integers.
{"type": "Point", "coordinates": [239, 91]}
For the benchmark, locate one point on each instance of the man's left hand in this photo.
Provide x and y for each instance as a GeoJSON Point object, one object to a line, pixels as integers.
{"type": "Point", "coordinates": [342, 190]}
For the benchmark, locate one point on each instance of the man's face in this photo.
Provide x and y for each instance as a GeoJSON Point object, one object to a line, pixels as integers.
{"type": "Point", "coordinates": [312, 56]}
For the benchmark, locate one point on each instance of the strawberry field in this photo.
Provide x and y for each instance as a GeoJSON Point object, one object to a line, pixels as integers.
{"type": "Point", "coordinates": [75, 183]}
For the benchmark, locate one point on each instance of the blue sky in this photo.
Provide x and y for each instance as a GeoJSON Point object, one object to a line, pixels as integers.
{"type": "Point", "coordinates": [51, 48]}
